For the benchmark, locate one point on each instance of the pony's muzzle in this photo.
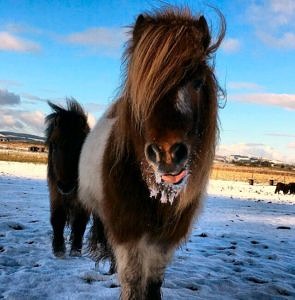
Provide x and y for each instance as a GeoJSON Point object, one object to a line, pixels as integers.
{"type": "Point", "coordinates": [169, 162]}
{"type": "Point", "coordinates": [176, 154]}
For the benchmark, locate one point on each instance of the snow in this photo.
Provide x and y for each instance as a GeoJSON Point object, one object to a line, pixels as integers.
{"type": "Point", "coordinates": [241, 247]}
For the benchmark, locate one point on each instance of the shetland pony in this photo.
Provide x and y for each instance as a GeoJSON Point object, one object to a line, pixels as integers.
{"type": "Point", "coordinates": [65, 133]}
{"type": "Point", "coordinates": [291, 188]}
{"type": "Point", "coordinates": [282, 187]}
{"type": "Point", "coordinates": [144, 167]}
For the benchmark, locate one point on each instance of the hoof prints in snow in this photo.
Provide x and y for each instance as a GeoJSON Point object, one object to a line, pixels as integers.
{"type": "Point", "coordinates": [256, 280]}
{"type": "Point", "coordinates": [16, 226]}
{"type": "Point", "coordinates": [284, 227]}
{"type": "Point", "coordinates": [245, 260]}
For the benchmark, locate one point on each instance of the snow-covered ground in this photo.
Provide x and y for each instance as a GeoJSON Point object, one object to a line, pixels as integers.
{"type": "Point", "coordinates": [241, 247]}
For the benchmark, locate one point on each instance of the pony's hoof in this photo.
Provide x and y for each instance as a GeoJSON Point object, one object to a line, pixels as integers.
{"type": "Point", "coordinates": [75, 252]}
{"type": "Point", "coordinates": [58, 249]}
{"type": "Point", "coordinates": [59, 254]}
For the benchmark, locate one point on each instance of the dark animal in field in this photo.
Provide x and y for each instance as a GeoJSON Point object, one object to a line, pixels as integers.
{"type": "Point", "coordinates": [281, 187]}
{"type": "Point", "coordinates": [65, 134]}
{"type": "Point", "coordinates": [291, 188]}
{"type": "Point", "coordinates": [144, 167]}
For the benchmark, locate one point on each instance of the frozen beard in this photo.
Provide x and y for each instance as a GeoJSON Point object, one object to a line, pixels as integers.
{"type": "Point", "coordinates": [165, 187]}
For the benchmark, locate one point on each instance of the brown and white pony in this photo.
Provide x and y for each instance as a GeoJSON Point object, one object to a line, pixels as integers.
{"type": "Point", "coordinates": [144, 167]}
{"type": "Point", "coordinates": [65, 134]}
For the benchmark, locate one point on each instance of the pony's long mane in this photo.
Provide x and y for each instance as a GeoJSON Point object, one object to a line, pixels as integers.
{"type": "Point", "coordinates": [166, 50]}
{"type": "Point", "coordinates": [72, 108]}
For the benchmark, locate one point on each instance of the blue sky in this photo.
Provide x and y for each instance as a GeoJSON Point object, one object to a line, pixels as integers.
{"type": "Point", "coordinates": [50, 50]}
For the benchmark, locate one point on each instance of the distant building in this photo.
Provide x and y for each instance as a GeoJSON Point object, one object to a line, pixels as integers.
{"type": "Point", "coordinates": [219, 158]}
{"type": "Point", "coordinates": [238, 158]}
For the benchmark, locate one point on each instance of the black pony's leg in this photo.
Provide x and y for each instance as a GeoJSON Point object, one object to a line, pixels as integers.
{"type": "Point", "coordinates": [80, 220]}
{"type": "Point", "coordinates": [58, 220]}
{"type": "Point", "coordinates": [113, 263]}
{"type": "Point", "coordinates": [98, 245]}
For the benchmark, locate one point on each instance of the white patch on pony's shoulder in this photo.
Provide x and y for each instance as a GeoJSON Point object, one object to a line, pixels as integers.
{"type": "Point", "coordinates": [90, 164]}
{"type": "Point", "coordinates": [182, 103]}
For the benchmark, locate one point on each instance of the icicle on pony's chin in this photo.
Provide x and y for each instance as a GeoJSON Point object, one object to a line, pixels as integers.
{"type": "Point", "coordinates": [167, 187]}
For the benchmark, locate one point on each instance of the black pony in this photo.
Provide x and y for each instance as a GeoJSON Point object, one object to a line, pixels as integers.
{"type": "Point", "coordinates": [65, 133]}
{"type": "Point", "coordinates": [282, 187]}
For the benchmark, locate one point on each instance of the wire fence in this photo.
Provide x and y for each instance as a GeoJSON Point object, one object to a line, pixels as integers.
{"type": "Point", "coordinates": [252, 175]}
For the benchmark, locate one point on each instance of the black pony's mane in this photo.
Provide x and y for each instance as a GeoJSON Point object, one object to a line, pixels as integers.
{"type": "Point", "coordinates": [73, 108]}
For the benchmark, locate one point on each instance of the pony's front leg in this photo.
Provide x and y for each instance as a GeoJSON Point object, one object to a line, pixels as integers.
{"type": "Point", "coordinates": [58, 219]}
{"type": "Point", "coordinates": [129, 267]}
{"type": "Point", "coordinates": [141, 269]}
{"type": "Point", "coordinates": [156, 258]}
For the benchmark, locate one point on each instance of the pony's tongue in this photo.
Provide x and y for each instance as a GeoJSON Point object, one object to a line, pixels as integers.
{"type": "Point", "coordinates": [174, 179]}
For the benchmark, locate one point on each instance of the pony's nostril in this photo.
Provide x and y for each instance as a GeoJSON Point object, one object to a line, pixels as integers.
{"type": "Point", "coordinates": [152, 153]}
{"type": "Point", "coordinates": [179, 152]}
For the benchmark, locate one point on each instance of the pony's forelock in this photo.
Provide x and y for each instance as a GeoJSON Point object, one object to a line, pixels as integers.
{"type": "Point", "coordinates": [171, 45]}
{"type": "Point", "coordinates": [167, 48]}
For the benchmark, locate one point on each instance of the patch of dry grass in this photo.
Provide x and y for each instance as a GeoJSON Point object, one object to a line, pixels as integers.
{"type": "Point", "coordinates": [258, 174]}
{"type": "Point", "coordinates": [19, 152]}
{"type": "Point", "coordinates": [14, 155]}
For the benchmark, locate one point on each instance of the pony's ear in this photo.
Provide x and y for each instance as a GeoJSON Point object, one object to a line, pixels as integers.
{"type": "Point", "coordinates": [139, 26]}
{"type": "Point", "coordinates": [204, 29]}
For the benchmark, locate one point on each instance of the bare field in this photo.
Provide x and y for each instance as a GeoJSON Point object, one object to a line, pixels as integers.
{"type": "Point", "coordinates": [19, 152]}
{"type": "Point", "coordinates": [23, 156]}
{"type": "Point", "coordinates": [225, 171]}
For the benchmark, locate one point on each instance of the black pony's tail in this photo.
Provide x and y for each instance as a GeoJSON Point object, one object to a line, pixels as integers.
{"type": "Point", "coordinates": [98, 246]}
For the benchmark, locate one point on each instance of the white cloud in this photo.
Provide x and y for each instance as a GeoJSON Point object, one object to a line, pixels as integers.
{"type": "Point", "coordinates": [33, 97]}
{"type": "Point", "coordinates": [99, 38]}
{"type": "Point", "coordinates": [9, 83]}
{"type": "Point", "coordinates": [21, 28]}
{"type": "Point", "coordinates": [243, 85]}
{"type": "Point", "coordinates": [8, 98]}
{"type": "Point", "coordinates": [280, 134]}
{"type": "Point", "coordinates": [231, 45]}
{"type": "Point", "coordinates": [34, 119]}
{"type": "Point", "coordinates": [91, 120]}
{"type": "Point", "coordinates": [10, 42]}
{"type": "Point", "coordinates": [285, 40]}
{"type": "Point", "coordinates": [285, 7]}
{"type": "Point", "coordinates": [274, 22]}
{"type": "Point", "coordinates": [31, 122]}
{"type": "Point", "coordinates": [282, 100]}
{"type": "Point", "coordinates": [8, 120]}
{"type": "Point", "coordinates": [255, 150]}
{"type": "Point", "coordinates": [95, 107]}
{"type": "Point", "coordinates": [291, 145]}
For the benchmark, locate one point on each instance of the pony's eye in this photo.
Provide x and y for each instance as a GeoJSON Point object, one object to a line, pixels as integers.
{"type": "Point", "coordinates": [197, 84]}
